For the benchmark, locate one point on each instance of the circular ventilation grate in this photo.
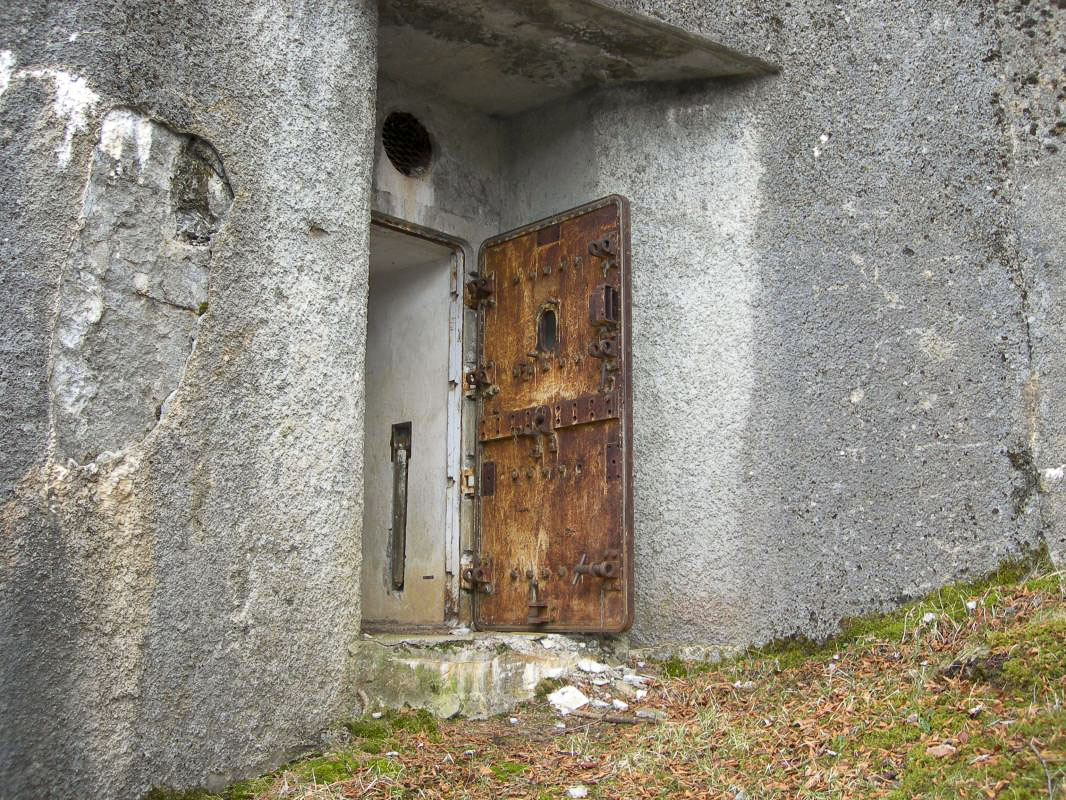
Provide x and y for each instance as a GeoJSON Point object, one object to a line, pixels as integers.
{"type": "Point", "coordinates": [406, 143]}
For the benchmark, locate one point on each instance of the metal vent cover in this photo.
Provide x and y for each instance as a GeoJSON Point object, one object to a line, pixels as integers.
{"type": "Point", "coordinates": [407, 143]}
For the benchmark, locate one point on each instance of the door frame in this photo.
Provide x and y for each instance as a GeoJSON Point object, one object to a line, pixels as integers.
{"type": "Point", "coordinates": [452, 520]}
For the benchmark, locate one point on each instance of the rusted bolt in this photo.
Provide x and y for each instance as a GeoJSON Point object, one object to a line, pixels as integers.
{"type": "Point", "coordinates": [515, 279]}
{"type": "Point", "coordinates": [529, 472]}
{"type": "Point", "coordinates": [529, 573]}
{"type": "Point", "coordinates": [545, 574]}
{"type": "Point", "coordinates": [547, 269]}
{"type": "Point", "coordinates": [562, 572]}
{"type": "Point", "coordinates": [514, 574]}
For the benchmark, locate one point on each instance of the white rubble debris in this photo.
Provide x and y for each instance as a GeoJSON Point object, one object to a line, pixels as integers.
{"type": "Point", "coordinates": [620, 705]}
{"type": "Point", "coordinates": [567, 699]}
{"type": "Point", "coordinates": [588, 665]}
{"type": "Point", "coordinates": [577, 791]}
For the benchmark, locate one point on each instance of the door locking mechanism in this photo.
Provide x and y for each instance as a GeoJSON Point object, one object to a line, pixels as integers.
{"type": "Point", "coordinates": [608, 568]}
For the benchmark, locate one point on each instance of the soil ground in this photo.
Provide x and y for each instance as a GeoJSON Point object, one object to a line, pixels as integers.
{"type": "Point", "coordinates": [959, 695]}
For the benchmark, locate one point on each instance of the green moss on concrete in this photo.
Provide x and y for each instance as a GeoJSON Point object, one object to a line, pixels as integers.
{"type": "Point", "coordinates": [546, 686]}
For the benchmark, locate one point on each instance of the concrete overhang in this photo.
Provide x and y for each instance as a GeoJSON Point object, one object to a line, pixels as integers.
{"type": "Point", "coordinates": [507, 56]}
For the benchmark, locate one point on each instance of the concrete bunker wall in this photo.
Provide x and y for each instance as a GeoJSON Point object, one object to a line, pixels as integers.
{"type": "Point", "coordinates": [832, 386]}
{"type": "Point", "coordinates": [834, 401]}
{"type": "Point", "coordinates": [177, 599]}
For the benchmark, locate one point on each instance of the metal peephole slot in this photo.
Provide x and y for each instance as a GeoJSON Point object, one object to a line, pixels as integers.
{"type": "Point", "coordinates": [401, 455]}
{"type": "Point", "coordinates": [547, 331]}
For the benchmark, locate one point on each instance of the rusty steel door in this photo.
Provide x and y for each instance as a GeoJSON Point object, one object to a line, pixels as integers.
{"type": "Point", "coordinates": [554, 425]}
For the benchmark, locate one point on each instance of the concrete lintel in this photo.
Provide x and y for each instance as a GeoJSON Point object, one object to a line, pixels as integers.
{"type": "Point", "coordinates": [506, 56]}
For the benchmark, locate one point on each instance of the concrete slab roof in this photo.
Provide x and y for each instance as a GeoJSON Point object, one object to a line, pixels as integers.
{"type": "Point", "coordinates": [506, 56]}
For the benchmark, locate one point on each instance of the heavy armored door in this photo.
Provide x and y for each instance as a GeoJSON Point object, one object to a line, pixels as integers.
{"type": "Point", "coordinates": [554, 426]}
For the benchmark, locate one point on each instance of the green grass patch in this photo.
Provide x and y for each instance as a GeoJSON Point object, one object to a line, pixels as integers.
{"type": "Point", "coordinates": [420, 721]}
{"type": "Point", "coordinates": [329, 768]}
{"type": "Point", "coordinates": [1037, 654]}
{"type": "Point", "coordinates": [163, 793]}
{"type": "Point", "coordinates": [367, 728]}
{"type": "Point", "coordinates": [505, 770]}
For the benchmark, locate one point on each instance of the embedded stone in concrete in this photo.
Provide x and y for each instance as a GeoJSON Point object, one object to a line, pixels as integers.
{"type": "Point", "coordinates": [131, 299]}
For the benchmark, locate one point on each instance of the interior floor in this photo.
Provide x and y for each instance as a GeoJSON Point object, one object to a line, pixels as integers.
{"type": "Point", "coordinates": [406, 488]}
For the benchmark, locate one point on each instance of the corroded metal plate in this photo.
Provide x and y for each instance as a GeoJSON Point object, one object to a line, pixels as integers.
{"type": "Point", "coordinates": [555, 504]}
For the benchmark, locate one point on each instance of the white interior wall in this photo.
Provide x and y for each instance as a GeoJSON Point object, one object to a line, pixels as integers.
{"type": "Point", "coordinates": [407, 381]}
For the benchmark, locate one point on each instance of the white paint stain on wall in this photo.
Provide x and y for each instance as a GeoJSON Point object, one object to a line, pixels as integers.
{"type": "Point", "coordinates": [72, 103]}
{"type": "Point", "coordinates": [121, 127]}
{"type": "Point", "coordinates": [7, 66]}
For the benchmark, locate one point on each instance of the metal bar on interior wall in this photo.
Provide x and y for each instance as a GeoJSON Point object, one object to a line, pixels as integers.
{"type": "Point", "coordinates": [401, 455]}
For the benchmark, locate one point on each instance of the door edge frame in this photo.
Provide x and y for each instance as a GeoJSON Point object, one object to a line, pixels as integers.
{"type": "Point", "coordinates": [453, 539]}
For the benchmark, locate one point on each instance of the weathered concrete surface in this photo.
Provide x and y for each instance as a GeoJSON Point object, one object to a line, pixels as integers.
{"type": "Point", "coordinates": [1033, 103]}
{"type": "Point", "coordinates": [831, 355]}
{"type": "Point", "coordinates": [177, 600]}
{"type": "Point", "coordinates": [132, 296]}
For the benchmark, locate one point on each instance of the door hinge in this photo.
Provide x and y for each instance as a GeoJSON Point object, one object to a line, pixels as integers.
{"type": "Point", "coordinates": [480, 290]}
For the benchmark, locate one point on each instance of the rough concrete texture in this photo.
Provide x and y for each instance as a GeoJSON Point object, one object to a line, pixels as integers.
{"type": "Point", "coordinates": [832, 379]}
{"type": "Point", "coordinates": [471, 675]}
{"type": "Point", "coordinates": [1033, 103]}
{"type": "Point", "coordinates": [177, 594]}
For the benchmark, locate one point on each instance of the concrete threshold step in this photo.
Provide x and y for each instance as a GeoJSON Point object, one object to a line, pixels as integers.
{"type": "Point", "coordinates": [471, 674]}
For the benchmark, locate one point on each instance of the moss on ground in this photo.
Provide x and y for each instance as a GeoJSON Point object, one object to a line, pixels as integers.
{"type": "Point", "coordinates": [505, 770]}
